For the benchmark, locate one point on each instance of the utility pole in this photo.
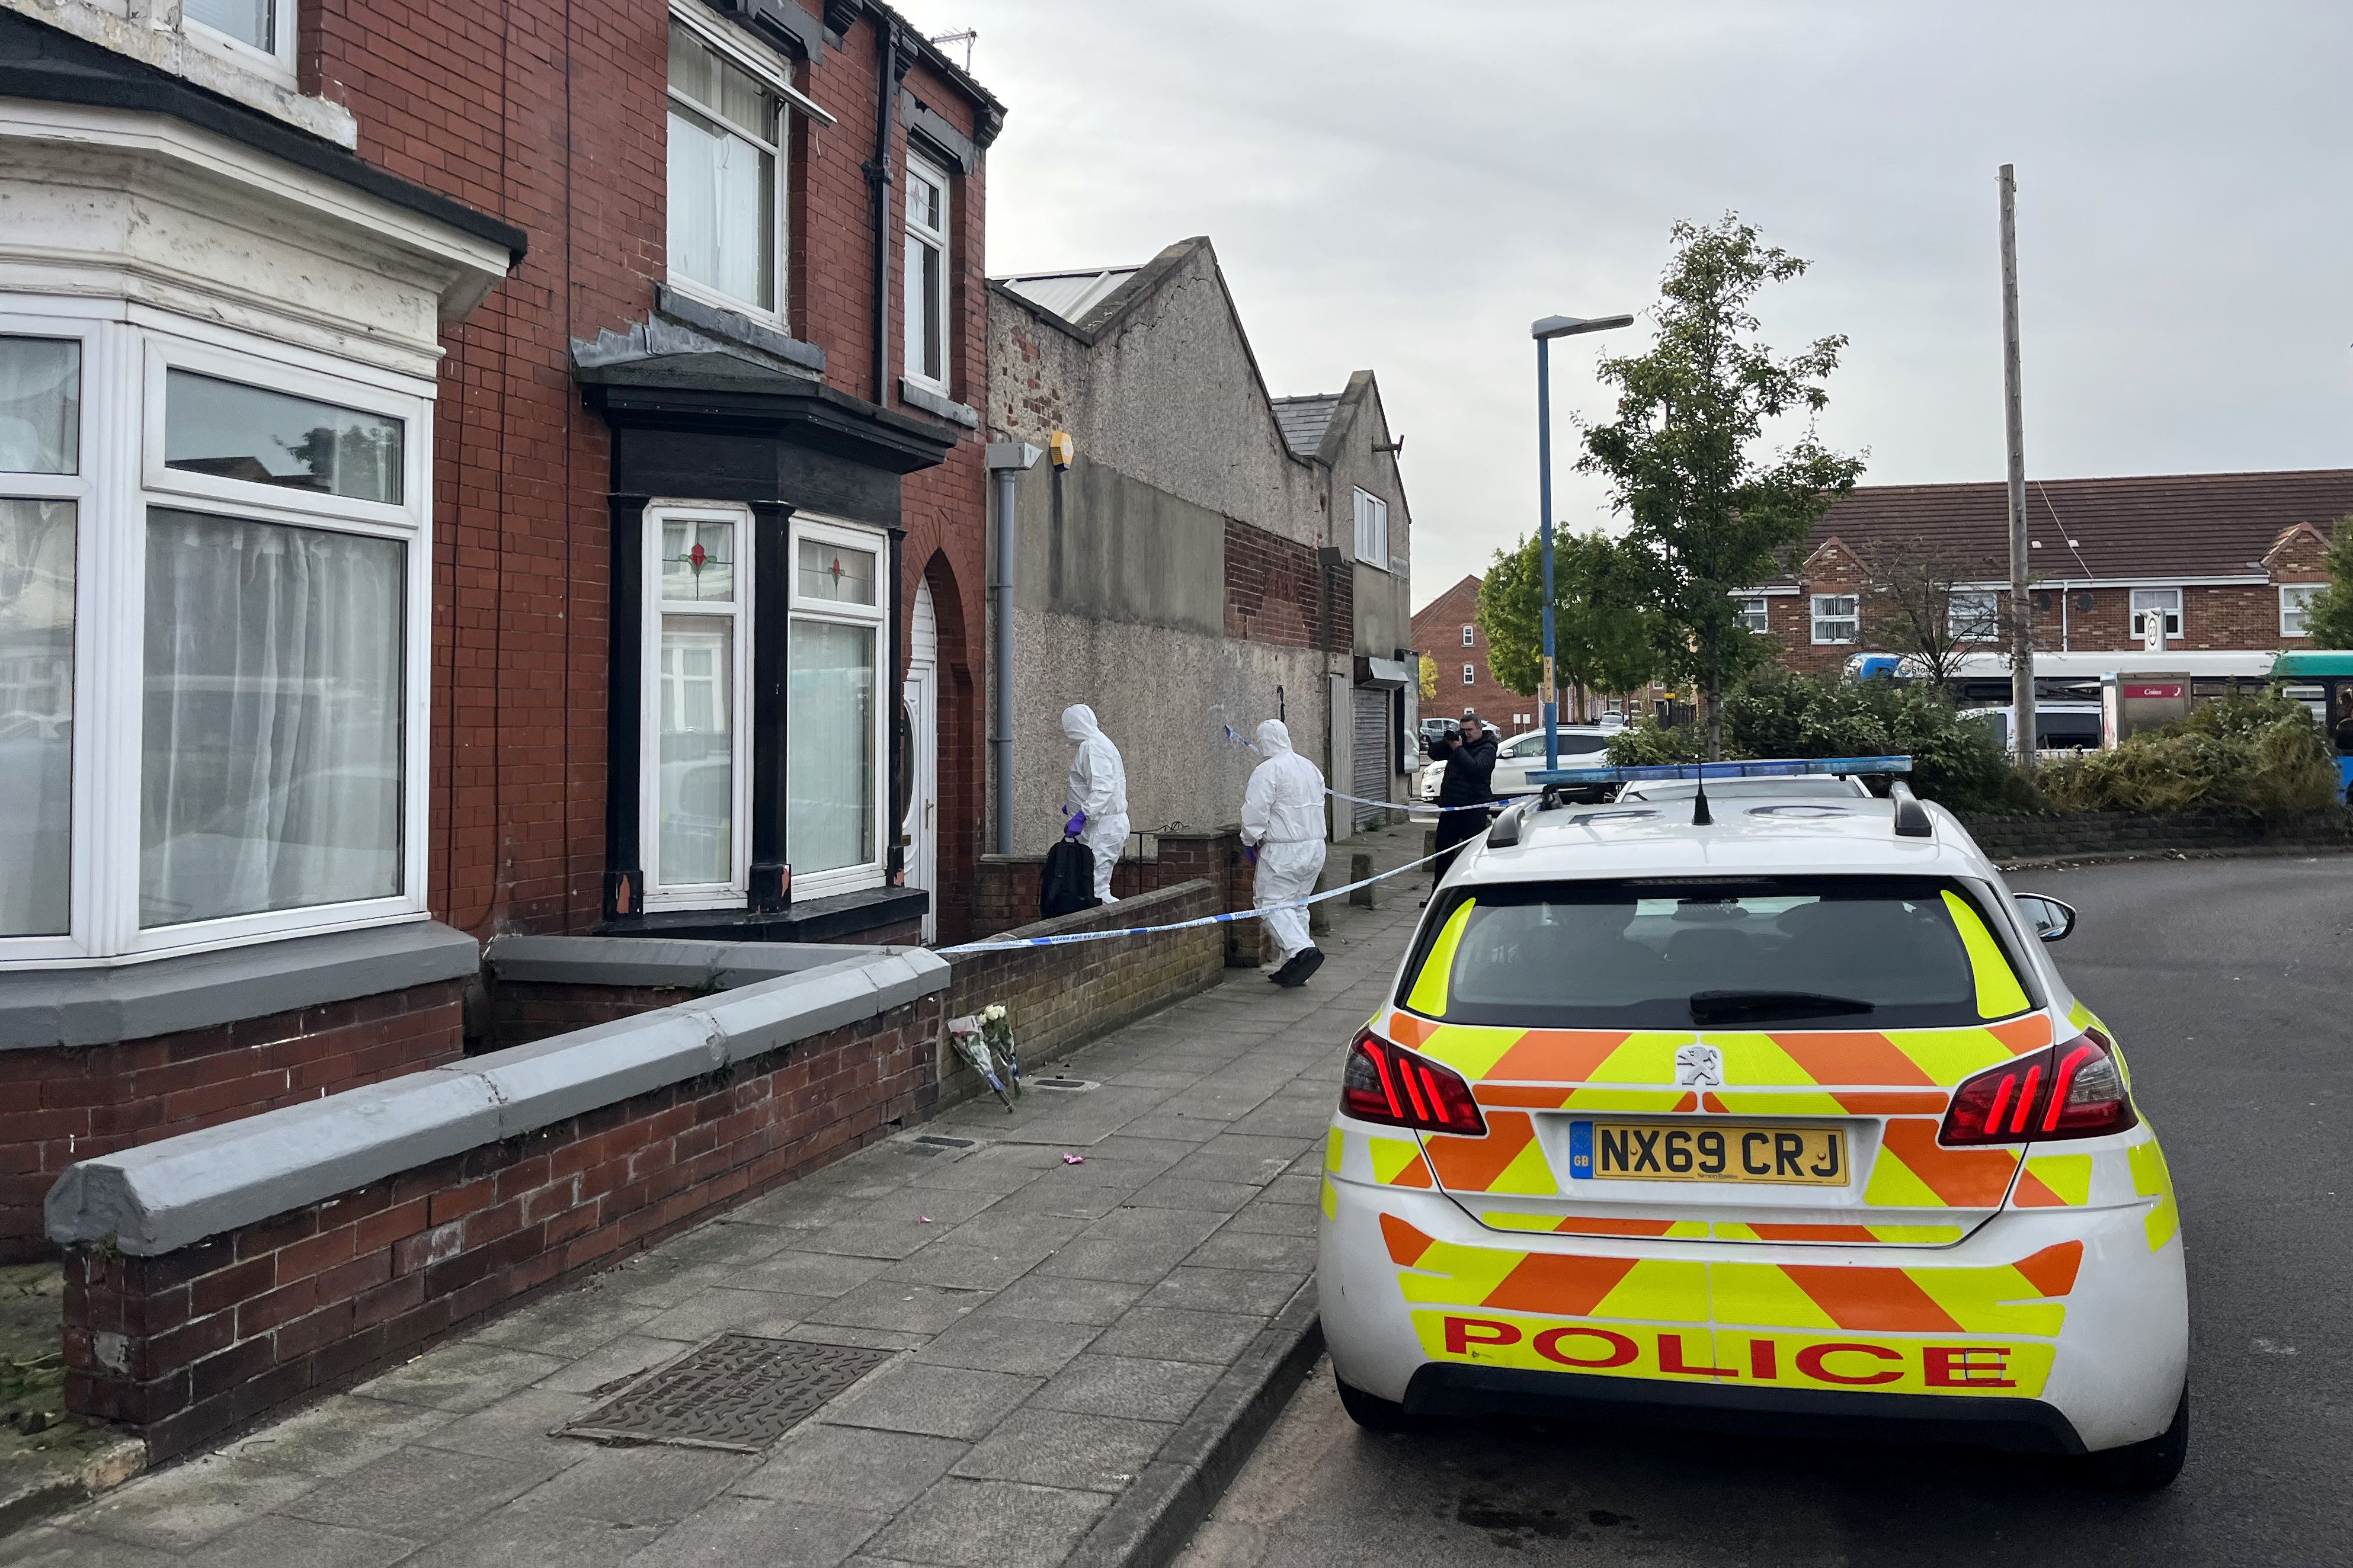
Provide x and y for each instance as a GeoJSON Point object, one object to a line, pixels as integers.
{"type": "Point", "coordinates": [2021, 569]}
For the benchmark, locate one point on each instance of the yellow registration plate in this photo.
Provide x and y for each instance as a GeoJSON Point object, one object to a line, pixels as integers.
{"type": "Point", "coordinates": [1649, 1151]}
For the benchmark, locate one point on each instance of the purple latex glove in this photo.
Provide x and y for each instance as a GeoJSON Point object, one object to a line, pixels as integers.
{"type": "Point", "coordinates": [1250, 853]}
{"type": "Point", "coordinates": [1076, 825]}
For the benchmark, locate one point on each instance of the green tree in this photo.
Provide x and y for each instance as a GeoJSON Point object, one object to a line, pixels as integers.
{"type": "Point", "coordinates": [1712, 510]}
{"type": "Point", "coordinates": [1601, 632]}
{"type": "Point", "coordinates": [1428, 678]}
{"type": "Point", "coordinates": [2329, 618]}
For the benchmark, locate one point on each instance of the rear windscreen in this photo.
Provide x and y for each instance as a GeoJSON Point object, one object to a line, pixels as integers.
{"type": "Point", "coordinates": [1826, 953]}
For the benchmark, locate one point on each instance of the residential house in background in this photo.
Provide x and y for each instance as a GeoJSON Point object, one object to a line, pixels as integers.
{"type": "Point", "coordinates": [1447, 632]}
{"type": "Point", "coordinates": [1211, 557]}
{"type": "Point", "coordinates": [463, 469]}
{"type": "Point", "coordinates": [2228, 560]}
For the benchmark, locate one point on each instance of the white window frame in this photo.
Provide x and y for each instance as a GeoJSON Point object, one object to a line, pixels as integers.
{"type": "Point", "coordinates": [910, 356]}
{"type": "Point", "coordinates": [788, 102]}
{"type": "Point", "coordinates": [127, 351]}
{"type": "Point", "coordinates": [807, 526]}
{"type": "Point", "coordinates": [1851, 616]}
{"type": "Point", "coordinates": [1467, 641]}
{"type": "Point", "coordinates": [1372, 542]}
{"type": "Point", "coordinates": [2174, 618]}
{"type": "Point", "coordinates": [737, 610]}
{"type": "Point", "coordinates": [1976, 625]}
{"type": "Point", "coordinates": [2295, 603]}
{"type": "Point", "coordinates": [1469, 676]}
{"type": "Point", "coordinates": [278, 61]}
{"type": "Point", "coordinates": [1756, 613]}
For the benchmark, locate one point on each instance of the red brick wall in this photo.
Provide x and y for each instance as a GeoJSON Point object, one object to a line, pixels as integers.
{"type": "Point", "coordinates": [62, 1105]}
{"type": "Point", "coordinates": [1277, 592]}
{"type": "Point", "coordinates": [184, 1346]}
{"type": "Point", "coordinates": [554, 118]}
{"type": "Point", "coordinates": [1438, 632]}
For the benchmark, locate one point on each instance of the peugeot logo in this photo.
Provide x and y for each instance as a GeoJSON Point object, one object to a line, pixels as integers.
{"type": "Point", "coordinates": [1699, 1067]}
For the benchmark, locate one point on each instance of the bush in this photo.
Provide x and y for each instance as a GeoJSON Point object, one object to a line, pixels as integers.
{"type": "Point", "coordinates": [1776, 714]}
{"type": "Point", "coordinates": [2265, 756]}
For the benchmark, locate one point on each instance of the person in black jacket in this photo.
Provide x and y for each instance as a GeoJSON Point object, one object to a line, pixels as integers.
{"type": "Point", "coordinates": [1470, 759]}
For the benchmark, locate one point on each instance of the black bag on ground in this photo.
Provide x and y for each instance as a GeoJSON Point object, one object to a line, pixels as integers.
{"type": "Point", "coordinates": [1067, 885]}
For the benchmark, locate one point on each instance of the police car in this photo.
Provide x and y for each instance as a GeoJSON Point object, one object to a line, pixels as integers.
{"type": "Point", "coordinates": [1762, 1111]}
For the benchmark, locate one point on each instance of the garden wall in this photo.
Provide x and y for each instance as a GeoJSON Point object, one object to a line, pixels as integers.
{"type": "Point", "coordinates": [2009, 836]}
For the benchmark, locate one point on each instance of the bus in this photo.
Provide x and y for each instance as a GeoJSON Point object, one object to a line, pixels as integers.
{"type": "Point", "coordinates": [2323, 682]}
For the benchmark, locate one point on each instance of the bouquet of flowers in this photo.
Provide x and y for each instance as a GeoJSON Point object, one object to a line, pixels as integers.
{"type": "Point", "coordinates": [986, 1040]}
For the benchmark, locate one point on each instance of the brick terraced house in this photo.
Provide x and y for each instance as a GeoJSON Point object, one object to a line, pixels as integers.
{"type": "Point", "coordinates": [1446, 631]}
{"type": "Point", "coordinates": [464, 470]}
{"type": "Point", "coordinates": [2228, 560]}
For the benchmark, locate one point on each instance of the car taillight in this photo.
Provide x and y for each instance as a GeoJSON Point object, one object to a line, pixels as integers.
{"type": "Point", "coordinates": [2071, 1090]}
{"type": "Point", "coordinates": [1395, 1087]}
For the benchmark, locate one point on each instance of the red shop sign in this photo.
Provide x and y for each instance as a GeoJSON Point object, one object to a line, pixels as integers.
{"type": "Point", "coordinates": [2169, 690]}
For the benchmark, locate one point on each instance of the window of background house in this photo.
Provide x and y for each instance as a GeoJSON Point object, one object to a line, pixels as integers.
{"type": "Point", "coordinates": [242, 602]}
{"type": "Point", "coordinates": [1467, 639]}
{"type": "Point", "coordinates": [725, 154]}
{"type": "Point", "coordinates": [1469, 675]}
{"type": "Point", "coordinates": [1835, 618]}
{"type": "Point", "coordinates": [1753, 614]}
{"type": "Point", "coordinates": [927, 276]}
{"type": "Point", "coordinates": [695, 789]}
{"type": "Point", "coordinates": [1973, 615]}
{"type": "Point", "coordinates": [2165, 600]}
{"type": "Point", "coordinates": [834, 746]}
{"type": "Point", "coordinates": [1373, 531]}
{"type": "Point", "coordinates": [2295, 604]}
{"type": "Point", "coordinates": [252, 28]}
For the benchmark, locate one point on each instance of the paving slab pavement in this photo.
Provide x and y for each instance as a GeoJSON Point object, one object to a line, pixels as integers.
{"type": "Point", "coordinates": [1083, 1354]}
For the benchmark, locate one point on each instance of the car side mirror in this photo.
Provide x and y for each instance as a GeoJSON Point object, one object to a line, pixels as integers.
{"type": "Point", "coordinates": [2046, 918]}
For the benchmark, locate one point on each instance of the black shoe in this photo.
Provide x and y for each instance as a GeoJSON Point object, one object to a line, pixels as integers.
{"type": "Point", "coordinates": [1295, 974]}
{"type": "Point", "coordinates": [1282, 977]}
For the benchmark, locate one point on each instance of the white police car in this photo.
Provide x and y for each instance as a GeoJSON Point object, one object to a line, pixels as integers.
{"type": "Point", "coordinates": [1780, 1117]}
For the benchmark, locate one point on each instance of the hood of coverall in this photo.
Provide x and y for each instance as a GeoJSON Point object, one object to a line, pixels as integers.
{"type": "Point", "coordinates": [1079, 723]}
{"type": "Point", "coordinates": [1273, 739]}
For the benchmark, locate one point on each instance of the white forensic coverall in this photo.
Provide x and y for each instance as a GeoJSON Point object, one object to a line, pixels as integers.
{"type": "Point", "coordinates": [1283, 815]}
{"type": "Point", "coordinates": [1098, 786]}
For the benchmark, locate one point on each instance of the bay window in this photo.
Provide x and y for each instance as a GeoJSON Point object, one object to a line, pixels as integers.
{"type": "Point", "coordinates": [212, 583]}
{"type": "Point", "coordinates": [697, 795]}
{"type": "Point", "coordinates": [833, 719]}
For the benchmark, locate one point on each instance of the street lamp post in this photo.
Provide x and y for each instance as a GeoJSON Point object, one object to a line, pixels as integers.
{"type": "Point", "coordinates": [1543, 332]}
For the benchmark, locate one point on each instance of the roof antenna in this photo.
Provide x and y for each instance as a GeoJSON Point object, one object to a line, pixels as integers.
{"type": "Point", "coordinates": [1700, 818]}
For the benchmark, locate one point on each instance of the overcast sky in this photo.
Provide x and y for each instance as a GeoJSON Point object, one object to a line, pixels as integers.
{"type": "Point", "coordinates": [1405, 185]}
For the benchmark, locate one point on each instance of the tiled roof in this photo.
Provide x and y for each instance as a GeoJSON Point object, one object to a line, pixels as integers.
{"type": "Point", "coordinates": [2167, 525]}
{"type": "Point", "coordinates": [1304, 419]}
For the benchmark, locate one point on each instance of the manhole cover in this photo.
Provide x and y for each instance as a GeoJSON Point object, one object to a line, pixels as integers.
{"type": "Point", "coordinates": [1066, 1085]}
{"type": "Point", "coordinates": [738, 1392]}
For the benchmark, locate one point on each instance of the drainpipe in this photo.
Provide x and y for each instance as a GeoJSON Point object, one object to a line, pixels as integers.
{"type": "Point", "coordinates": [1006, 459]}
{"type": "Point", "coordinates": [877, 178]}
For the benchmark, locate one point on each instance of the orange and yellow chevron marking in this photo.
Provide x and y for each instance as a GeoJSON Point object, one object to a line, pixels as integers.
{"type": "Point", "coordinates": [1592, 1224]}
{"type": "Point", "coordinates": [2054, 1181]}
{"type": "Point", "coordinates": [1848, 1234]}
{"type": "Point", "coordinates": [1536, 1063]}
{"type": "Point", "coordinates": [1508, 1160]}
{"type": "Point", "coordinates": [1557, 1055]}
{"type": "Point", "coordinates": [1336, 1144]}
{"type": "Point", "coordinates": [1397, 1162]}
{"type": "Point", "coordinates": [1913, 1171]}
{"type": "Point", "coordinates": [1672, 1290]}
{"type": "Point", "coordinates": [2151, 1178]}
{"type": "Point", "coordinates": [1330, 1200]}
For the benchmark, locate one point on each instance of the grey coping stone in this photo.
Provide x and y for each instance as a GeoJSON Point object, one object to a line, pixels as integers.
{"type": "Point", "coordinates": [337, 1435]}
{"type": "Point", "coordinates": [1243, 1291]}
{"type": "Point", "coordinates": [932, 403]}
{"type": "Point", "coordinates": [1170, 1333]}
{"type": "Point", "coordinates": [1049, 1298]}
{"type": "Point", "coordinates": [421, 1493]}
{"type": "Point", "coordinates": [279, 1543]}
{"type": "Point", "coordinates": [958, 1267]}
{"type": "Point", "coordinates": [1005, 1343]}
{"type": "Point", "coordinates": [725, 1311]}
{"type": "Point", "coordinates": [519, 1427]}
{"type": "Point", "coordinates": [50, 1007]}
{"type": "Point", "coordinates": [643, 1483]}
{"type": "Point", "coordinates": [1292, 1255]}
{"type": "Point", "coordinates": [181, 1508]}
{"type": "Point", "coordinates": [822, 1274]}
{"type": "Point", "coordinates": [464, 1375]}
{"type": "Point", "coordinates": [511, 1539]}
{"type": "Point", "coordinates": [904, 1305]}
{"type": "Point", "coordinates": [748, 1530]}
{"type": "Point", "coordinates": [852, 1466]}
{"type": "Point", "coordinates": [167, 1194]}
{"type": "Point", "coordinates": [990, 1525]}
{"type": "Point", "coordinates": [649, 962]}
{"type": "Point", "coordinates": [1147, 1389]}
{"type": "Point", "coordinates": [1065, 1448]}
{"type": "Point", "coordinates": [943, 1401]}
{"type": "Point", "coordinates": [52, 1546]}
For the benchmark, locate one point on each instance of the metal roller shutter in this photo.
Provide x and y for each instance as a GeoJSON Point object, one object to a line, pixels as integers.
{"type": "Point", "coordinates": [1369, 755]}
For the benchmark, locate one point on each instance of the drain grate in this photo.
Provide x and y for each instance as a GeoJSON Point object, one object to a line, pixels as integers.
{"type": "Point", "coordinates": [738, 1392]}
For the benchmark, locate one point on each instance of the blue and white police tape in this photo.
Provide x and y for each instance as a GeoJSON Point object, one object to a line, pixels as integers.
{"type": "Point", "coordinates": [1394, 804]}
{"type": "Point", "coordinates": [1183, 925]}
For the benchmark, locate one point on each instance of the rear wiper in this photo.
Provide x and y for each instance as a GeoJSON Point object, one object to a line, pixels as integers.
{"type": "Point", "coordinates": [1755, 1007]}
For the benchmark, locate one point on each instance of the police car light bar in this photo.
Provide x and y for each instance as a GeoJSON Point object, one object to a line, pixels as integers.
{"type": "Point", "coordinates": [1778, 767]}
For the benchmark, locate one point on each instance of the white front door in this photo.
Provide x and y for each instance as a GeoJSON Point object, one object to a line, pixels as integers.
{"type": "Point", "coordinates": [922, 826]}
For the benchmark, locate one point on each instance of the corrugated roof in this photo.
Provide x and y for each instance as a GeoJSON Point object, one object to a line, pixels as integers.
{"type": "Point", "coordinates": [1070, 295]}
{"type": "Point", "coordinates": [1303, 420]}
{"type": "Point", "coordinates": [2165, 525]}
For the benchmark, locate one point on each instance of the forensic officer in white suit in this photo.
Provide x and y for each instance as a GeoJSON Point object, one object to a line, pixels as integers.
{"type": "Point", "coordinates": [1283, 819]}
